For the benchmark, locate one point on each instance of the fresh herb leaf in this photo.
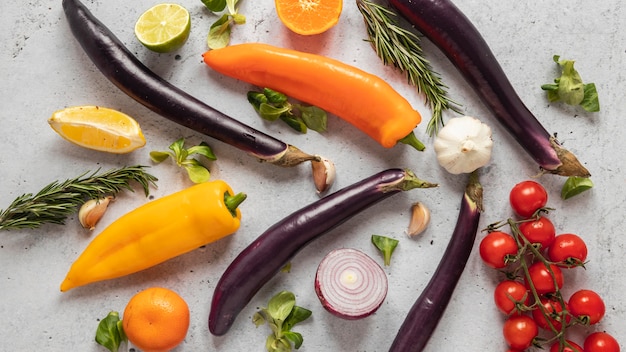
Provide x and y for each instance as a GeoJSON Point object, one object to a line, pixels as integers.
{"type": "Point", "coordinates": [575, 185]}
{"type": "Point", "coordinates": [570, 89]}
{"type": "Point", "coordinates": [183, 157]}
{"type": "Point", "coordinates": [400, 48]}
{"type": "Point", "coordinates": [219, 33]}
{"type": "Point", "coordinates": [386, 246]}
{"type": "Point", "coordinates": [110, 333]}
{"type": "Point", "coordinates": [281, 315]}
{"type": "Point", "coordinates": [272, 105]}
{"type": "Point", "coordinates": [215, 5]}
{"type": "Point", "coordinates": [58, 200]}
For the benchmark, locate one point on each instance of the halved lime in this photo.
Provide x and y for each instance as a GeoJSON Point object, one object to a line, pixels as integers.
{"type": "Point", "coordinates": [164, 27]}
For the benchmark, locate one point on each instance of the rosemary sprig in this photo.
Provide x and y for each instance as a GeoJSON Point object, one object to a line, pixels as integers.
{"type": "Point", "coordinates": [401, 48]}
{"type": "Point", "coordinates": [56, 201]}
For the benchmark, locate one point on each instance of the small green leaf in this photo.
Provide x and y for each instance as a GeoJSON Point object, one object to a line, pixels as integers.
{"type": "Point", "coordinates": [219, 34]}
{"type": "Point", "coordinates": [294, 123]}
{"type": "Point", "coordinates": [215, 5]}
{"type": "Point", "coordinates": [591, 102]}
{"type": "Point", "coordinates": [258, 319]}
{"type": "Point", "coordinates": [294, 337]}
{"type": "Point", "coordinates": [256, 99]}
{"type": "Point", "coordinates": [314, 118]}
{"type": "Point", "coordinates": [202, 149]}
{"type": "Point", "coordinates": [281, 304]}
{"type": "Point", "coordinates": [158, 156]}
{"type": "Point", "coordinates": [271, 112]}
{"type": "Point", "coordinates": [197, 173]}
{"type": "Point", "coordinates": [178, 147]}
{"type": "Point", "coordinates": [386, 246]}
{"type": "Point", "coordinates": [575, 185]}
{"type": "Point", "coordinates": [297, 315]}
{"type": "Point", "coordinates": [109, 333]}
{"type": "Point", "coordinates": [274, 97]}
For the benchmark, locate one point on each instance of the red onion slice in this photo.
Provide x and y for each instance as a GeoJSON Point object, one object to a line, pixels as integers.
{"type": "Point", "coordinates": [350, 284]}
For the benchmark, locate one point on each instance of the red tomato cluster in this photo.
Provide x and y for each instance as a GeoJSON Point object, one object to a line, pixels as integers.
{"type": "Point", "coordinates": [535, 259]}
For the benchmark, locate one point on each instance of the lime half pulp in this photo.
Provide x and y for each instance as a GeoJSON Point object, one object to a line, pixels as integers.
{"type": "Point", "coordinates": [164, 27]}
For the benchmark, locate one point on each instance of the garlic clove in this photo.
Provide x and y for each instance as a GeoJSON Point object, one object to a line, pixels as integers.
{"type": "Point", "coordinates": [420, 217]}
{"type": "Point", "coordinates": [92, 211]}
{"type": "Point", "coordinates": [323, 174]}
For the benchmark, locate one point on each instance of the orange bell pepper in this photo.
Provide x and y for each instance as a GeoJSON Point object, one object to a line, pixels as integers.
{"type": "Point", "coordinates": [157, 231]}
{"type": "Point", "coordinates": [362, 99]}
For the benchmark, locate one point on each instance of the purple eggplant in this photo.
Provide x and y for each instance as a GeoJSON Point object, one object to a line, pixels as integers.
{"type": "Point", "coordinates": [455, 35]}
{"type": "Point", "coordinates": [273, 249]}
{"type": "Point", "coordinates": [131, 76]}
{"type": "Point", "coordinates": [426, 312]}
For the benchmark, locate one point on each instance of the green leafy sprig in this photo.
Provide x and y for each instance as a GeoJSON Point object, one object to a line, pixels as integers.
{"type": "Point", "coordinates": [386, 245]}
{"type": "Point", "coordinates": [281, 315]}
{"type": "Point", "coordinates": [58, 200]}
{"type": "Point", "coordinates": [110, 332]}
{"type": "Point", "coordinates": [401, 48]}
{"type": "Point", "coordinates": [570, 89]}
{"type": "Point", "coordinates": [183, 158]}
{"type": "Point", "coordinates": [272, 105]}
{"type": "Point", "coordinates": [219, 33]}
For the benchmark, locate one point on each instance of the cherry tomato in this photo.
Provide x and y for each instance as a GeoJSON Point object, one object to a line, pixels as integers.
{"type": "Point", "coordinates": [568, 249]}
{"type": "Point", "coordinates": [539, 231]}
{"type": "Point", "coordinates": [527, 197]}
{"type": "Point", "coordinates": [553, 309]}
{"type": "Point", "coordinates": [542, 278]}
{"type": "Point", "coordinates": [520, 331]}
{"type": "Point", "coordinates": [601, 342]}
{"type": "Point", "coordinates": [573, 347]}
{"type": "Point", "coordinates": [587, 305]}
{"type": "Point", "coordinates": [496, 247]}
{"type": "Point", "coordinates": [509, 294]}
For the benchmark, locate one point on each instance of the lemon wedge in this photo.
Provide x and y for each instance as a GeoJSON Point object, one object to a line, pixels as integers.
{"type": "Point", "coordinates": [164, 27]}
{"type": "Point", "coordinates": [98, 128]}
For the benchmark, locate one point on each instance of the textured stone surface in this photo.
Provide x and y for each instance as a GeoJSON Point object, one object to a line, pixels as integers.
{"type": "Point", "coordinates": [43, 69]}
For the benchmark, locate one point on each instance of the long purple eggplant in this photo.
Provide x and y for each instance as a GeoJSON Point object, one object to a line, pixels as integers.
{"type": "Point", "coordinates": [428, 309]}
{"type": "Point", "coordinates": [455, 35]}
{"type": "Point", "coordinates": [131, 76]}
{"type": "Point", "coordinates": [273, 249]}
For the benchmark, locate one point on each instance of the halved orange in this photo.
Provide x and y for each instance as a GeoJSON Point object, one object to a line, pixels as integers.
{"type": "Point", "coordinates": [308, 17]}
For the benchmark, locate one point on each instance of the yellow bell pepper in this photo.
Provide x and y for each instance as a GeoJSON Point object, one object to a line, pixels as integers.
{"type": "Point", "coordinates": [157, 231]}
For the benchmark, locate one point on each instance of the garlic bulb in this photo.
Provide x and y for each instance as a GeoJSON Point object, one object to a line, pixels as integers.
{"type": "Point", "coordinates": [463, 145]}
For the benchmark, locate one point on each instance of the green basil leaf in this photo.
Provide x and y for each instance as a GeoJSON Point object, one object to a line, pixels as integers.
{"type": "Point", "coordinates": [109, 333]}
{"type": "Point", "coordinates": [215, 5]}
{"type": "Point", "coordinates": [575, 185]}
{"type": "Point", "coordinates": [314, 118]}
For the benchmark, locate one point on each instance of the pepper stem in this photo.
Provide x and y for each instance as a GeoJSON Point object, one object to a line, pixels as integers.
{"type": "Point", "coordinates": [412, 140]}
{"type": "Point", "coordinates": [232, 202]}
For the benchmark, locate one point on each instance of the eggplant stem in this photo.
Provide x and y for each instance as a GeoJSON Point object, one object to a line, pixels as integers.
{"type": "Point", "coordinates": [408, 182]}
{"type": "Point", "coordinates": [570, 166]}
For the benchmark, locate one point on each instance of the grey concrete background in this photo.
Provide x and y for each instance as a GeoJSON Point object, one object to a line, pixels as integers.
{"type": "Point", "coordinates": [43, 69]}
